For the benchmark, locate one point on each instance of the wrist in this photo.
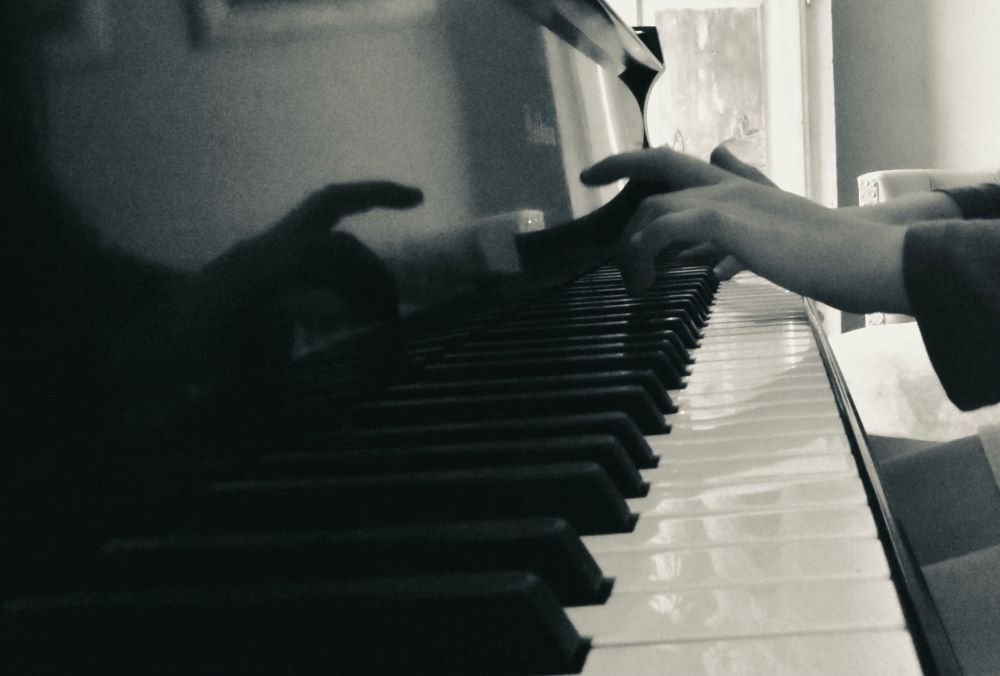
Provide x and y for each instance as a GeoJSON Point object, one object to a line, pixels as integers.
{"type": "Point", "coordinates": [911, 208]}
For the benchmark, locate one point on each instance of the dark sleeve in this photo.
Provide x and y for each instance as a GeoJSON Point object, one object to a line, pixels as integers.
{"type": "Point", "coordinates": [975, 202]}
{"type": "Point", "coordinates": [952, 276]}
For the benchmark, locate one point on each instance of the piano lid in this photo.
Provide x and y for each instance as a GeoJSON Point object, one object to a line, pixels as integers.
{"type": "Point", "coordinates": [596, 30]}
{"type": "Point", "coordinates": [181, 133]}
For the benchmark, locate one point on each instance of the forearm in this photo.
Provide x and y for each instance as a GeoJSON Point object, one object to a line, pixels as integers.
{"type": "Point", "coordinates": [850, 265]}
{"type": "Point", "coordinates": [907, 209]}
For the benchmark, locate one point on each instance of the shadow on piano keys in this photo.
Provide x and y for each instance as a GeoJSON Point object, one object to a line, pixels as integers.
{"type": "Point", "coordinates": [578, 482]}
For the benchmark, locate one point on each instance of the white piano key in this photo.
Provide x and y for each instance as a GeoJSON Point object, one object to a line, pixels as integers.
{"type": "Point", "coordinates": [755, 313]}
{"type": "Point", "coordinates": [714, 430]}
{"type": "Point", "coordinates": [868, 653]}
{"type": "Point", "coordinates": [720, 529]}
{"type": "Point", "coordinates": [765, 365]}
{"type": "Point", "coordinates": [751, 319]}
{"type": "Point", "coordinates": [759, 309]}
{"type": "Point", "coordinates": [750, 497]}
{"type": "Point", "coordinates": [759, 302]}
{"type": "Point", "coordinates": [721, 327]}
{"type": "Point", "coordinates": [747, 470]}
{"type": "Point", "coordinates": [717, 336]}
{"type": "Point", "coordinates": [742, 565]}
{"type": "Point", "coordinates": [674, 449]}
{"type": "Point", "coordinates": [691, 402]}
{"type": "Point", "coordinates": [747, 315]}
{"type": "Point", "coordinates": [736, 348]}
{"type": "Point", "coordinates": [732, 293]}
{"type": "Point", "coordinates": [800, 607]}
{"type": "Point", "coordinates": [757, 382]}
{"type": "Point", "coordinates": [755, 336]}
{"type": "Point", "coordinates": [731, 352]}
{"type": "Point", "coordinates": [799, 408]}
{"type": "Point", "coordinates": [734, 352]}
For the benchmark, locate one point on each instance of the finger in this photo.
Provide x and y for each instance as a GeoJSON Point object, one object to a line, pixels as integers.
{"type": "Point", "coordinates": [663, 166]}
{"type": "Point", "coordinates": [649, 209]}
{"type": "Point", "coordinates": [728, 267]}
{"type": "Point", "coordinates": [702, 251]}
{"type": "Point", "coordinates": [324, 208]}
{"type": "Point", "coordinates": [723, 158]}
{"type": "Point", "coordinates": [637, 254]}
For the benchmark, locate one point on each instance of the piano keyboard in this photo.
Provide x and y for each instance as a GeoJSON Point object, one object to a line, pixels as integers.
{"type": "Point", "coordinates": [748, 548]}
{"type": "Point", "coordinates": [755, 551]}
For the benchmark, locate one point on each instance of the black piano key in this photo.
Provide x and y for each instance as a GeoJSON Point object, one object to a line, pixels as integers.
{"type": "Point", "coordinates": [682, 297]}
{"type": "Point", "coordinates": [692, 328]}
{"type": "Point", "coordinates": [629, 399]}
{"type": "Point", "coordinates": [581, 493]}
{"type": "Point", "coordinates": [499, 367]}
{"type": "Point", "coordinates": [462, 624]}
{"type": "Point", "coordinates": [556, 349]}
{"type": "Point", "coordinates": [587, 306]}
{"type": "Point", "coordinates": [603, 450]}
{"type": "Point", "coordinates": [689, 297]}
{"type": "Point", "coordinates": [662, 272]}
{"type": "Point", "coordinates": [638, 307]}
{"type": "Point", "coordinates": [664, 278]}
{"type": "Point", "coordinates": [617, 425]}
{"type": "Point", "coordinates": [666, 341]}
{"type": "Point", "coordinates": [616, 288]}
{"type": "Point", "coordinates": [681, 304]}
{"type": "Point", "coordinates": [617, 291]}
{"type": "Point", "coordinates": [645, 379]}
{"type": "Point", "coordinates": [685, 307]}
{"type": "Point", "coordinates": [546, 547]}
{"type": "Point", "coordinates": [688, 337]}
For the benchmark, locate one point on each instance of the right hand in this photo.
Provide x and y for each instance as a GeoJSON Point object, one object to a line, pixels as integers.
{"type": "Point", "coordinates": [841, 260]}
{"type": "Point", "coordinates": [726, 265]}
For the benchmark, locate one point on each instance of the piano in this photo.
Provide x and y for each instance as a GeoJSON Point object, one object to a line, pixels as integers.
{"type": "Point", "coordinates": [547, 476]}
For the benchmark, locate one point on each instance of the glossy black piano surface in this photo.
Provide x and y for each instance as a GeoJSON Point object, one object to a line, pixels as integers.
{"type": "Point", "coordinates": [473, 393]}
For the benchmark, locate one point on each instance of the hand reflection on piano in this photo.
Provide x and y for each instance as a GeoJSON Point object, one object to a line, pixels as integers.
{"type": "Point", "coordinates": [327, 281]}
{"type": "Point", "coordinates": [236, 313]}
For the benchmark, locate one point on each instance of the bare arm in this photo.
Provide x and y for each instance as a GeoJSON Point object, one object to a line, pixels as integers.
{"type": "Point", "coordinates": [907, 209]}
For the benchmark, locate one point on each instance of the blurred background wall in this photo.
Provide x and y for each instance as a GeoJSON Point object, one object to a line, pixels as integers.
{"type": "Point", "coordinates": [916, 86]}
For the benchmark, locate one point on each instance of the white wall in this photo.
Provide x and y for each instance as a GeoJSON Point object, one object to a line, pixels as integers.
{"type": "Point", "coordinates": [965, 82]}
{"type": "Point", "coordinates": [916, 86]}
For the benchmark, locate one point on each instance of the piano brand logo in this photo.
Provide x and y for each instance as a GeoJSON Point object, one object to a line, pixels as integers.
{"type": "Point", "coordinates": [539, 131]}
